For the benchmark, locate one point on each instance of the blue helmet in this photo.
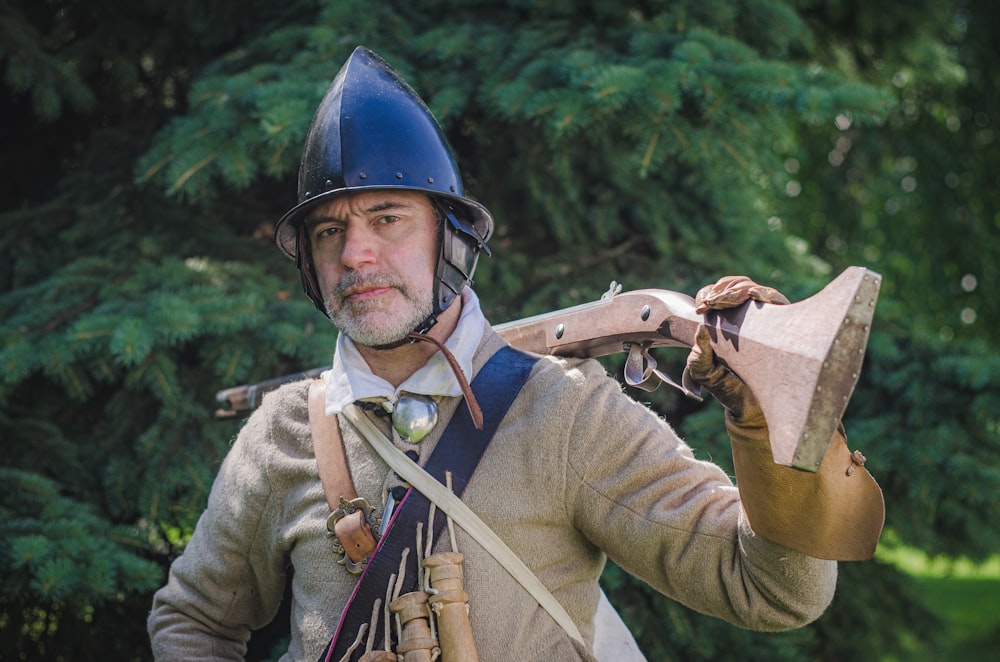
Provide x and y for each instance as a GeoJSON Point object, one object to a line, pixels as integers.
{"type": "Point", "coordinates": [372, 131]}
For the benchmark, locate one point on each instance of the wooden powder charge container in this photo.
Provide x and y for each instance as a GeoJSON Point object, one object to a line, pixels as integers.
{"type": "Point", "coordinates": [451, 605]}
{"type": "Point", "coordinates": [416, 643]}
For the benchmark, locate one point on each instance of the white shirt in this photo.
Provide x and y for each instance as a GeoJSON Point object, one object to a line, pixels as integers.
{"type": "Point", "coordinates": [351, 379]}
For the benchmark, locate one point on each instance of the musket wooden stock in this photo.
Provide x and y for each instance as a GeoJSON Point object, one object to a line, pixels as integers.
{"type": "Point", "coordinates": [801, 361]}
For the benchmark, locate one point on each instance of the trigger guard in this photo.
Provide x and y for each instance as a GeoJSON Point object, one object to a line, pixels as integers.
{"type": "Point", "coordinates": [640, 369]}
{"type": "Point", "coordinates": [641, 372]}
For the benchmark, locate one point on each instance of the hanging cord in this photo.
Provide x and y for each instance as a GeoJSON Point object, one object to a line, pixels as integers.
{"type": "Point", "coordinates": [387, 615]}
{"type": "Point", "coordinates": [451, 522]}
{"type": "Point", "coordinates": [356, 644]}
{"type": "Point", "coordinates": [373, 625]}
{"type": "Point", "coordinates": [470, 398]}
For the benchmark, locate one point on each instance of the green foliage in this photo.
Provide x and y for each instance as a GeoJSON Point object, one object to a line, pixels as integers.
{"type": "Point", "coordinates": [122, 312]}
{"type": "Point", "coordinates": [922, 211]}
{"type": "Point", "coordinates": [657, 144]}
{"type": "Point", "coordinates": [931, 413]}
{"type": "Point", "coordinates": [32, 68]}
{"type": "Point", "coordinates": [62, 562]}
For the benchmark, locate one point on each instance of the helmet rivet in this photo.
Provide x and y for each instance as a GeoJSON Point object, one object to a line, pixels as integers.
{"type": "Point", "coordinates": [329, 182]}
{"type": "Point", "coordinates": [430, 180]}
{"type": "Point", "coordinates": [399, 175]}
{"type": "Point", "coordinates": [362, 175]}
{"type": "Point", "coordinates": [452, 188]}
{"type": "Point", "coordinates": [645, 313]}
{"type": "Point", "coordinates": [560, 330]}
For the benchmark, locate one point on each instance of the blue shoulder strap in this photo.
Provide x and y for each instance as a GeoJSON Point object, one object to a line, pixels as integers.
{"type": "Point", "coordinates": [458, 451]}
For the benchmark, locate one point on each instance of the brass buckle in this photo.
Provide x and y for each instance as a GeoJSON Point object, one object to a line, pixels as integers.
{"type": "Point", "coordinates": [346, 508]}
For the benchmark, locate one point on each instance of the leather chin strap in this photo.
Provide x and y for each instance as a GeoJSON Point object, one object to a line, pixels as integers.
{"type": "Point", "coordinates": [470, 398]}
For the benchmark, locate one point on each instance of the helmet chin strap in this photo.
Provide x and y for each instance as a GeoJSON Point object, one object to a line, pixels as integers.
{"type": "Point", "coordinates": [470, 398]}
{"type": "Point", "coordinates": [420, 334]}
{"type": "Point", "coordinates": [424, 326]}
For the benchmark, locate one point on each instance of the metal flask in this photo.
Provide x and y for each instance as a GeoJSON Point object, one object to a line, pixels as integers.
{"type": "Point", "coordinates": [414, 416]}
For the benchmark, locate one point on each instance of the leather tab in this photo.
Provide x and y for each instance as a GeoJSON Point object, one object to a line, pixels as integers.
{"type": "Point", "coordinates": [355, 536]}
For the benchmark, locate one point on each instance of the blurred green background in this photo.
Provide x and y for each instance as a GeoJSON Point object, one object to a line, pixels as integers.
{"type": "Point", "coordinates": [148, 147]}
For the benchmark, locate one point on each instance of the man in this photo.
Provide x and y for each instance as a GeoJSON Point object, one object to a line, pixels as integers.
{"type": "Point", "coordinates": [386, 243]}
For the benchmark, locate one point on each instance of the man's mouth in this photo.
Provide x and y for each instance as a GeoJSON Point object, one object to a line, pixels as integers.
{"type": "Point", "coordinates": [360, 291]}
{"type": "Point", "coordinates": [366, 293]}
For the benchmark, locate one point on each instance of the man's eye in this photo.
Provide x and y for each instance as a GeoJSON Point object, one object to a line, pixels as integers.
{"type": "Point", "coordinates": [384, 220]}
{"type": "Point", "coordinates": [328, 231]}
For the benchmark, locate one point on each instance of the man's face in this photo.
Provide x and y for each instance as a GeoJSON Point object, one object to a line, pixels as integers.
{"type": "Point", "coordinates": [375, 254]}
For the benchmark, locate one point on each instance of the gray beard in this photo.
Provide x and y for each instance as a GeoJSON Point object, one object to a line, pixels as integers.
{"type": "Point", "coordinates": [347, 317]}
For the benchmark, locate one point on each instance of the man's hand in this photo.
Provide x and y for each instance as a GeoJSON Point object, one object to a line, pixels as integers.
{"type": "Point", "coordinates": [726, 387]}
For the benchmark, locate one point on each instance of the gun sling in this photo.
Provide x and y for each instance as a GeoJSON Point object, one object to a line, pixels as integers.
{"type": "Point", "coordinates": [457, 452]}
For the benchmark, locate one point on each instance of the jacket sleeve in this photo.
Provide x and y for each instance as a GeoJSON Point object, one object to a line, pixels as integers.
{"type": "Point", "coordinates": [676, 522]}
{"type": "Point", "coordinates": [230, 578]}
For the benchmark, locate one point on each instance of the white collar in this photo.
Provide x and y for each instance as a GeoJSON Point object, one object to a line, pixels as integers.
{"type": "Point", "coordinates": [351, 379]}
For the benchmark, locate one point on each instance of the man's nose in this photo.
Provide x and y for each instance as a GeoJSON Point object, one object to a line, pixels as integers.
{"type": "Point", "coordinates": [359, 246]}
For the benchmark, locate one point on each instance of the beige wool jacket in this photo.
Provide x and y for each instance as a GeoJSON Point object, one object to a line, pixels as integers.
{"type": "Point", "coordinates": [576, 473]}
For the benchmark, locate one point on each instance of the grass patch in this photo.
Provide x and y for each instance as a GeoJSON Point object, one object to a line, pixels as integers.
{"type": "Point", "coordinates": [965, 595]}
{"type": "Point", "coordinates": [970, 606]}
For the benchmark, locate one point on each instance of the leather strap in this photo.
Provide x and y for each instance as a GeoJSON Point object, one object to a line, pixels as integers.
{"type": "Point", "coordinates": [331, 460]}
{"type": "Point", "coordinates": [457, 452]}
{"type": "Point", "coordinates": [353, 531]}
{"type": "Point", "coordinates": [470, 397]}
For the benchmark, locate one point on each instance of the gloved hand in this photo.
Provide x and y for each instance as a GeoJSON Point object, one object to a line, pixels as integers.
{"type": "Point", "coordinates": [702, 367]}
{"type": "Point", "coordinates": [733, 291]}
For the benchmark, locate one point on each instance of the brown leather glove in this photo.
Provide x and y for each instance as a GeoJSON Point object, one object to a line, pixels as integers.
{"type": "Point", "coordinates": [726, 387]}
{"type": "Point", "coordinates": [733, 291]}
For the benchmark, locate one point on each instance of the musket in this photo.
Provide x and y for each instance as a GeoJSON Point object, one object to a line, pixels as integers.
{"type": "Point", "coordinates": [802, 361]}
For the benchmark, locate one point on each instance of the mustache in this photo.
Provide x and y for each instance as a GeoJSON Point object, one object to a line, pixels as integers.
{"type": "Point", "coordinates": [354, 279]}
